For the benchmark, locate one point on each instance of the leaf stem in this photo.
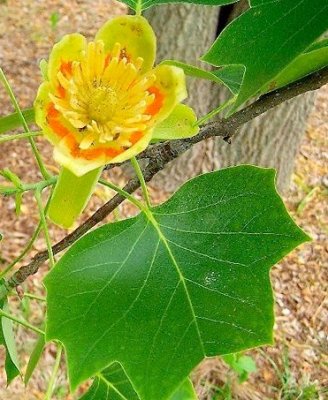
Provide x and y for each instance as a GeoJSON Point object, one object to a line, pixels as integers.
{"type": "Point", "coordinates": [10, 190]}
{"type": "Point", "coordinates": [35, 150]}
{"type": "Point", "coordinates": [217, 110]}
{"type": "Point", "coordinates": [8, 138]}
{"type": "Point", "coordinates": [54, 373]}
{"type": "Point", "coordinates": [45, 227]}
{"type": "Point", "coordinates": [123, 193]}
{"type": "Point", "coordinates": [34, 297]}
{"type": "Point", "coordinates": [141, 178]}
{"type": "Point", "coordinates": [21, 322]}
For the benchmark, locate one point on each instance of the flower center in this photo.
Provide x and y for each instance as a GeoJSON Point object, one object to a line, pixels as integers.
{"type": "Point", "coordinates": [105, 96]}
{"type": "Point", "coordinates": [102, 104]}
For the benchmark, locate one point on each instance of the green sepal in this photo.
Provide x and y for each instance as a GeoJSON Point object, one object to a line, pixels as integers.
{"type": "Point", "coordinates": [71, 196]}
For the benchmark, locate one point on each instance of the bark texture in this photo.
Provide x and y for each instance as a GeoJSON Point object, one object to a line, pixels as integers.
{"type": "Point", "coordinates": [184, 33]}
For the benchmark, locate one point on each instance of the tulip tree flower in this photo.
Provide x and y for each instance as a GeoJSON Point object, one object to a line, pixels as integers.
{"type": "Point", "coordinates": [103, 102]}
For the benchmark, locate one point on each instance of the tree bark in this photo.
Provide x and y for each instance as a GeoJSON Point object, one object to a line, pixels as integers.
{"type": "Point", "coordinates": [184, 33]}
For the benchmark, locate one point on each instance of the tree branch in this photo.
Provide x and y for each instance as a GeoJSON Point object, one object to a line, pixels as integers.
{"type": "Point", "coordinates": [160, 155]}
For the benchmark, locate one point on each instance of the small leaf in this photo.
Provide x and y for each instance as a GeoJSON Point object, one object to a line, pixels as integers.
{"type": "Point", "coordinates": [159, 292]}
{"type": "Point", "coordinates": [34, 359]}
{"type": "Point", "coordinates": [181, 123]}
{"type": "Point", "coordinates": [8, 341]}
{"type": "Point", "coordinates": [242, 365]}
{"type": "Point", "coordinates": [266, 39]}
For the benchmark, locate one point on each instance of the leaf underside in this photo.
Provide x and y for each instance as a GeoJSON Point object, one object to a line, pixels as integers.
{"type": "Point", "coordinates": [158, 294]}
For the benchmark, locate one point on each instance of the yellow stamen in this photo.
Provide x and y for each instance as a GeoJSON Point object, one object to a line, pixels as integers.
{"type": "Point", "coordinates": [106, 96]}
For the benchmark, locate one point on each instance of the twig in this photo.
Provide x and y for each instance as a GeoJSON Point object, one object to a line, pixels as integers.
{"type": "Point", "coordinates": [161, 154]}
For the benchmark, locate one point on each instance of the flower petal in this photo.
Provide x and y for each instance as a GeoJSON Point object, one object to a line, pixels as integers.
{"type": "Point", "coordinates": [70, 48]}
{"type": "Point", "coordinates": [181, 123]}
{"type": "Point", "coordinates": [79, 166]}
{"type": "Point", "coordinates": [82, 161]}
{"type": "Point", "coordinates": [42, 107]}
{"type": "Point", "coordinates": [169, 89]}
{"type": "Point", "coordinates": [134, 34]}
{"type": "Point", "coordinates": [137, 148]}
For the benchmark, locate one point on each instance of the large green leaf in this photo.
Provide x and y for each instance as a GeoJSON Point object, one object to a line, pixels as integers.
{"type": "Point", "coordinates": [143, 4]}
{"type": "Point", "coordinates": [161, 291]}
{"type": "Point", "coordinates": [113, 384]}
{"type": "Point", "coordinates": [313, 59]}
{"type": "Point", "coordinates": [8, 341]}
{"type": "Point", "coordinates": [266, 39]}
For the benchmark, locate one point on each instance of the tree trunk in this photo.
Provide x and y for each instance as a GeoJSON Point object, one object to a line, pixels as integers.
{"type": "Point", "coordinates": [184, 33]}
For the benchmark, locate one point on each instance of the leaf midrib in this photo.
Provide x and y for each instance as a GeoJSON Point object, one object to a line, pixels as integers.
{"type": "Point", "coordinates": [148, 213]}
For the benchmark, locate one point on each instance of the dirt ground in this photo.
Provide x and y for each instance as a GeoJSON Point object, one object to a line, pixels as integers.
{"type": "Point", "coordinates": [296, 367]}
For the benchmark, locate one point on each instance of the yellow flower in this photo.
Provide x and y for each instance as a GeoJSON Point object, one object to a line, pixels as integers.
{"type": "Point", "coordinates": [102, 101]}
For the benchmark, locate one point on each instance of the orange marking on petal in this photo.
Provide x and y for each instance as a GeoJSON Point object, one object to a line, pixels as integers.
{"type": "Point", "coordinates": [61, 91]}
{"type": "Point", "coordinates": [52, 112]}
{"type": "Point", "coordinates": [90, 154]}
{"type": "Point", "coordinates": [135, 137]}
{"type": "Point", "coordinates": [58, 128]}
{"type": "Point", "coordinates": [66, 68]}
{"type": "Point", "coordinates": [157, 104]}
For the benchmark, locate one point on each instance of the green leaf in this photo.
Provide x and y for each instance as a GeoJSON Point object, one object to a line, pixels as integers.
{"type": "Point", "coordinates": [13, 121]}
{"type": "Point", "coordinates": [266, 39]}
{"type": "Point", "coordinates": [231, 76]}
{"type": "Point", "coordinates": [144, 4]}
{"type": "Point", "coordinates": [188, 279]}
{"type": "Point", "coordinates": [113, 384]}
{"type": "Point", "coordinates": [180, 124]}
{"type": "Point", "coordinates": [242, 365]}
{"type": "Point", "coordinates": [34, 359]}
{"type": "Point", "coordinates": [8, 341]}
{"type": "Point", "coordinates": [315, 58]}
